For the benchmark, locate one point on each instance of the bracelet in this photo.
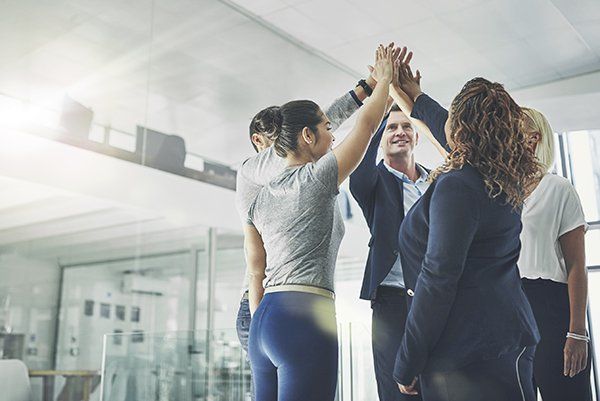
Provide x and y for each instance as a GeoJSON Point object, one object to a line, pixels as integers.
{"type": "Point", "coordinates": [363, 84]}
{"type": "Point", "coordinates": [579, 337]}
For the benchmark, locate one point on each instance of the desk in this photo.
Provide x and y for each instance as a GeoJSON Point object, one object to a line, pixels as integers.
{"type": "Point", "coordinates": [49, 375]}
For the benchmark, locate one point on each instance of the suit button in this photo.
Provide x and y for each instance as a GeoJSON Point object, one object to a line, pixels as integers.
{"type": "Point", "coordinates": [410, 292]}
{"type": "Point", "coordinates": [396, 252]}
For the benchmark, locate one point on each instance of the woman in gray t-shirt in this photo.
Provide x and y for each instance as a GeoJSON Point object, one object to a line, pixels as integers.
{"type": "Point", "coordinates": [292, 238]}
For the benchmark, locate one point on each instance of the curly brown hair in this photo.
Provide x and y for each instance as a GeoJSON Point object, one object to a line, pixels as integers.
{"type": "Point", "coordinates": [485, 130]}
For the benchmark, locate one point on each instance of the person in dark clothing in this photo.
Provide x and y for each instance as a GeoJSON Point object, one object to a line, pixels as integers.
{"type": "Point", "coordinates": [385, 191]}
{"type": "Point", "coordinates": [470, 333]}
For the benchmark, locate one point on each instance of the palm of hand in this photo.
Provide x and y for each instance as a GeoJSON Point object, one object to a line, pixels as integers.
{"type": "Point", "coordinates": [383, 70]}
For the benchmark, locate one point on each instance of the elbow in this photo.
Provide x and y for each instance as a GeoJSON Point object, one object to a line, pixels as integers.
{"type": "Point", "coordinates": [255, 276]}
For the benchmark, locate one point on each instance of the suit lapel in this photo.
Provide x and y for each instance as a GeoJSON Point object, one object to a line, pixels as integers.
{"type": "Point", "coordinates": [396, 188]}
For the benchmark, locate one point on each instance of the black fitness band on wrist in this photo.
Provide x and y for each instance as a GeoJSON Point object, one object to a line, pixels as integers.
{"type": "Point", "coordinates": [363, 84]}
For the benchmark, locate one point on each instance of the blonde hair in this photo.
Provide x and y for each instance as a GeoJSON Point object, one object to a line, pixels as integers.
{"type": "Point", "coordinates": [534, 121]}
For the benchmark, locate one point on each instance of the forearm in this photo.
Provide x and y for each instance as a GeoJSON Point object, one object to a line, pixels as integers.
{"type": "Point", "coordinates": [373, 111]}
{"type": "Point", "coordinates": [346, 105]}
{"type": "Point", "coordinates": [406, 105]}
{"type": "Point", "coordinates": [402, 99]}
{"type": "Point", "coordinates": [360, 93]}
{"type": "Point", "coordinates": [578, 291]}
{"type": "Point", "coordinates": [342, 109]}
{"type": "Point", "coordinates": [256, 291]}
{"type": "Point", "coordinates": [433, 115]}
{"type": "Point", "coordinates": [422, 331]}
{"type": "Point", "coordinates": [256, 260]}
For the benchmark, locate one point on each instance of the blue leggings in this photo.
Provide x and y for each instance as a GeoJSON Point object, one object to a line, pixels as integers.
{"type": "Point", "coordinates": [293, 348]}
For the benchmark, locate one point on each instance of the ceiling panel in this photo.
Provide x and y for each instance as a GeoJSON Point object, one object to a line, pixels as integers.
{"type": "Point", "coordinates": [580, 11]}
{"type": "Point", "coordinates": [201, 69]}
{"type": "Point", "coordinates": [564, 50]}
{"type": "Point", "coordinates": [387, 15]}
{"type": "Point", "coordinates": [305, 28]}
{"type": "Point", "coordinates": [480, 26]}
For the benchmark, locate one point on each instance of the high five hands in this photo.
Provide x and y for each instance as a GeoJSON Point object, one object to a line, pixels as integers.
{"type": "Point", "coordinates": [403, 80]}
{"type": "Point", "coordinates": [384, 70]}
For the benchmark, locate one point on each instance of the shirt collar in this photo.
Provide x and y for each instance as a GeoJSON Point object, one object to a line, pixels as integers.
{"type": "Point", "coordinates": [423, 174]}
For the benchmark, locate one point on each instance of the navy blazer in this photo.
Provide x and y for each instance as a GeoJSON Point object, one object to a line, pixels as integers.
{"type": "Point", "coordinates": [380, 195]}
{"type": "Point", "coordinates": [459, 255]}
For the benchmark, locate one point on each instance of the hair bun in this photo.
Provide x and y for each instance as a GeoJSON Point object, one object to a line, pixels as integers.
{"type": "Point", "coordinates": [276, 122]}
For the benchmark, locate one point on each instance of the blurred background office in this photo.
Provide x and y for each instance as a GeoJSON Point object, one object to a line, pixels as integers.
{"type": "Point", "coordinates": [123, 122]}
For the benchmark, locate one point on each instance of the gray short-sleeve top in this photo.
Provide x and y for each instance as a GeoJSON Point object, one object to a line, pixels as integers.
{"type": "Point", "coordinates": [298, 217]}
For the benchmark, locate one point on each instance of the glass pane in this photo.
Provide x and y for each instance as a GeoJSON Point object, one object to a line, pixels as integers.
{"type": "Point", "coordinates": [28, 310]}
{"type": "Point", "coordinates": [230, 271]}
{"type": "Point", "coordinates": [77, 71]}
{"type": "Point", "coordinates": [592, 248]}
{"type": "Point", "coordinates": [584, 156]}
{"type": "Point", "coordinates": [594, 309]}
{"type": "Point", "coordinates": [209, 77]}
{"type": "Point", "coordinates": [141, 294]}
{"type": "Point", "coordinates": [356, 375]}
{"type": "Point", "coordinates": [173, 366]}
{"type": "Point", "coordinates": [121, 270]}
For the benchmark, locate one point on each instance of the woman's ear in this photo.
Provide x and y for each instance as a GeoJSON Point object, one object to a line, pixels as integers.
{"type": "Point", "coordinates": [307, 135]}
{"type": "Point", "coordinates": [534, 138]}
{"type": "Point", "coordinates": [257, 140]}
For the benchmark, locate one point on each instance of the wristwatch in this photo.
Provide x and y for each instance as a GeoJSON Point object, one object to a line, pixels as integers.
{"type": "Point", "coordinates": [363, 84]}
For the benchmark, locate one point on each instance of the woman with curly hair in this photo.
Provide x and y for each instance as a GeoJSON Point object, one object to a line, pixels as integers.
{"type": "Point", "coordinates": [470, 333]}
{"type": "Point", "coordinates": [552, 264]}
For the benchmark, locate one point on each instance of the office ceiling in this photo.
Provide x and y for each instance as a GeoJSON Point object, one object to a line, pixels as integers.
{"type": "Point", "coordinates": [200, 69]}
{"type": "Point", "coordinates": [68, 228]}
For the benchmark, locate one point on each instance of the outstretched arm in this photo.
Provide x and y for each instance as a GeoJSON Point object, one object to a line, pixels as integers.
{"type": "Point", "coordinates": [352, 149]}
{"type": "Point", "coordinates": [450, 237]}
{"type": "Point", "coordinates": [346, 105]}
{"type": "Point", "coordinates": [423, 107]}
{"type": "Point", "coordinates": [406, 105]}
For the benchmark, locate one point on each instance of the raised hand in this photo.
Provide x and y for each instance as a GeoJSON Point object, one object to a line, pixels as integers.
{"type": "Point", "coordinates": [383, 71]}
{"type": "Point", "coordinates": [406, 81]}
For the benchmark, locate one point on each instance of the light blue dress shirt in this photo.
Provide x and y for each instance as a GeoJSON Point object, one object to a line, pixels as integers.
{"type": "Point", "coordinates": [412, 192]}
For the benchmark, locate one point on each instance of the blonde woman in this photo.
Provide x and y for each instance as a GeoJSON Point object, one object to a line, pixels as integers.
{"type": "Point", "coordinates": [554, 274]}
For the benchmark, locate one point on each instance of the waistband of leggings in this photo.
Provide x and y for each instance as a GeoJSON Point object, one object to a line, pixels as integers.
{"type": "Point", "coordinates": [301, 288]}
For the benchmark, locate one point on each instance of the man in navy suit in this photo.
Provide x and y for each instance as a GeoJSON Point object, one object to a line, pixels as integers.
{"type": "Point", "coordinates": [385, 192]}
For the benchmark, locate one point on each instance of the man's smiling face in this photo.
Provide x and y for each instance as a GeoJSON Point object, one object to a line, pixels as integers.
{"type": "Point", "coordinates": [399, 137]}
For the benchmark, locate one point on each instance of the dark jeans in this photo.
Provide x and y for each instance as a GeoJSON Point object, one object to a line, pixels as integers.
{"type": "Point", "coordinates": [508, 378]}
{"type": "Point", "coordinates": [242, 325]}
{"type": "Point", "coordinates": [293, 347]}
{"type": "Point", "coordinates": [389, 318]}
{"type": "Point", "coordinates": [550, 303]}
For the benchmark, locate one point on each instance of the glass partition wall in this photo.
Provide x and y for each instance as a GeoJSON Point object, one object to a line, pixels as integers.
{"type": "Point", "coordinates": [91, 247]}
